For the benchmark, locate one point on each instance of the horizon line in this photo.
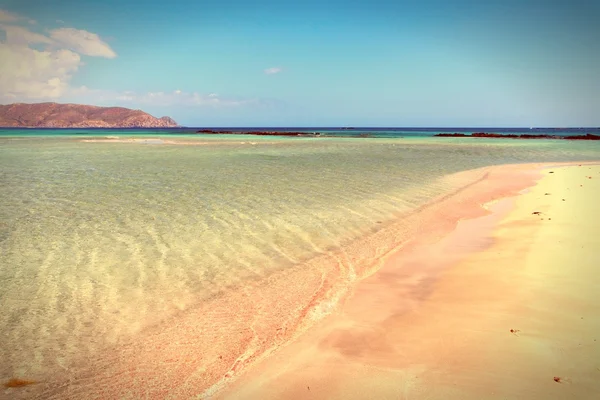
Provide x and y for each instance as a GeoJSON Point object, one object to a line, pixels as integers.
{"type": "Point", "coordinates": [312, 127]}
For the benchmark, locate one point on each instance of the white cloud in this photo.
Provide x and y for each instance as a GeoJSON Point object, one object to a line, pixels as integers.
{"type": "Point", "coordinates": [17, 35]}
{"type": "Point", "coordinates": [181, 98]}
{"type": "Point", "coordinates": [273, 70]}
{"type": "Point", "coordinates": [162, 99]}
{"type": "Point", "coordinates": [30, 73]}
{"type": "Point", "coordinates": [83, 42]}
{"type": "Point", "coordinates": [26, 73]}
{"type": "Point", "coordinates": [7, 16]}
{"type": "Point", "coordinates": [81, 90]}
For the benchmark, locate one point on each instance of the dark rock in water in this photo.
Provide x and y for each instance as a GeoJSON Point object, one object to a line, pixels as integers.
{"type": "Point", "coordinates": [260, 133]}
{"type": "Point", "coordinates": [523, 136]}
{"type": "Point", "coordinates": [213, 131]}
{"type": "Point", "coordinates": [526, 136]}
{"type": "Point", "coordinates": [589, 136]}
{"type": "Point", "coordinates": [492, 135]}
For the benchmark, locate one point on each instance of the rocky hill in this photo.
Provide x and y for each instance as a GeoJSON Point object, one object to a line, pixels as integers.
{"type": "Point", "coordinates": [54, 115]}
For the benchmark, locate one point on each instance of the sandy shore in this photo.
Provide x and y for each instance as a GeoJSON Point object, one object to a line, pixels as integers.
{"type": "Point", "coordinates": [496, 310]}
{"type": "Point", "coordinates": [432, 320]}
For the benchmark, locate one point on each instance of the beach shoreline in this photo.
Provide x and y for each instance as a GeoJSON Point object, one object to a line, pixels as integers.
{"type": "Point", "coordinates": [493, 310]}
{"type": "Point", "coordinates": [204, 351]}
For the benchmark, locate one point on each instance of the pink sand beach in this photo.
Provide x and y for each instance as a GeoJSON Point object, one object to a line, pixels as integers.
{"type": "Point", "coordinates": [505, 306]}
{"type": "Point", "coordinates": [491, 293]}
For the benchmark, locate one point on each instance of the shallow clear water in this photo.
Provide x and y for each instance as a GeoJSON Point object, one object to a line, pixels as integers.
{"type": "Point", "coordinates": [100, 240]}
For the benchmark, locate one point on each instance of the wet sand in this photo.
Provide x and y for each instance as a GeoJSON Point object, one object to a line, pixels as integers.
{"type": "Point", "coordinates": [502, 308]}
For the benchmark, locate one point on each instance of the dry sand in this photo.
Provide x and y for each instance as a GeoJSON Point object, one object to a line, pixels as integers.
{"type": "Point", "coordinates": [435, 322]}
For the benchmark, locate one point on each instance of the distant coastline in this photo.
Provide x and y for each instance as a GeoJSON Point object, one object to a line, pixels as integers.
{"type": "Point", "coordinates": [66, 116]}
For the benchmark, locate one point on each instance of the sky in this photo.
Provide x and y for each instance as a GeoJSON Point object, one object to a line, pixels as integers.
{"type": "Point", "coordinates": [230, 63]}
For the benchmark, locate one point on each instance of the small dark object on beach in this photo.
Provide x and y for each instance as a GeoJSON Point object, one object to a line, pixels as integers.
{"type": "Point", "coordinates": [546, 194]}
{"type": "Point", "coordinates": [557, 379]}
{"type": "Point", "coordinates": [514, 331]}
{"type": "Point", "coordinates": [16, 382]}
{"type": "Point", "coordinates": [536, 213]}
{"type": "Point", "coordinates": [551, 172]}
{"type": "Point", "coordinates": [308, 387]}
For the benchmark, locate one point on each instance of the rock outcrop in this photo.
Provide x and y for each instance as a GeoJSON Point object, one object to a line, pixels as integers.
{"type": "Point", "coordinates": [259, 133]}
{"type": "Point", "coordinates": [589, 136]}
{"type": "Point", "coordinates": [55, 115]}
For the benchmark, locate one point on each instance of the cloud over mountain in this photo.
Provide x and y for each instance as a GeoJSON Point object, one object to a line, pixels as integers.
{"type": "Point", "coordinates": [82, 42]}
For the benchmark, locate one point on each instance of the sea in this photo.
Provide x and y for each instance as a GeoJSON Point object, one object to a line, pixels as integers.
{"type": "Point", "coordinates": [105, 234]}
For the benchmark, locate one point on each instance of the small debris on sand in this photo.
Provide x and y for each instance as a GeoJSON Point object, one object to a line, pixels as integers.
{"type": "Point", "coordinates": [16, 382]}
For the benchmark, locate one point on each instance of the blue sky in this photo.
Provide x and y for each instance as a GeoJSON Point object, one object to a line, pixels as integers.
{"type": "Point", "coordinates": [311, 63]}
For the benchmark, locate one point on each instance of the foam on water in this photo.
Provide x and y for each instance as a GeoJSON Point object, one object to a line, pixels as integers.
{"type": "Point", "coordinates": [100, 241]}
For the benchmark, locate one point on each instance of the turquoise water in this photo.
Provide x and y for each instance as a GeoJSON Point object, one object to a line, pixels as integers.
{"type": "Point", "coordinates": [104, 239]}
{"type": "Point", "coordinates": [330, 132]}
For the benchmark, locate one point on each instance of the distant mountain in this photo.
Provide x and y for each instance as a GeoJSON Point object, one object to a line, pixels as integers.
{"type": "Point", "coordinates": [54, 115]}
